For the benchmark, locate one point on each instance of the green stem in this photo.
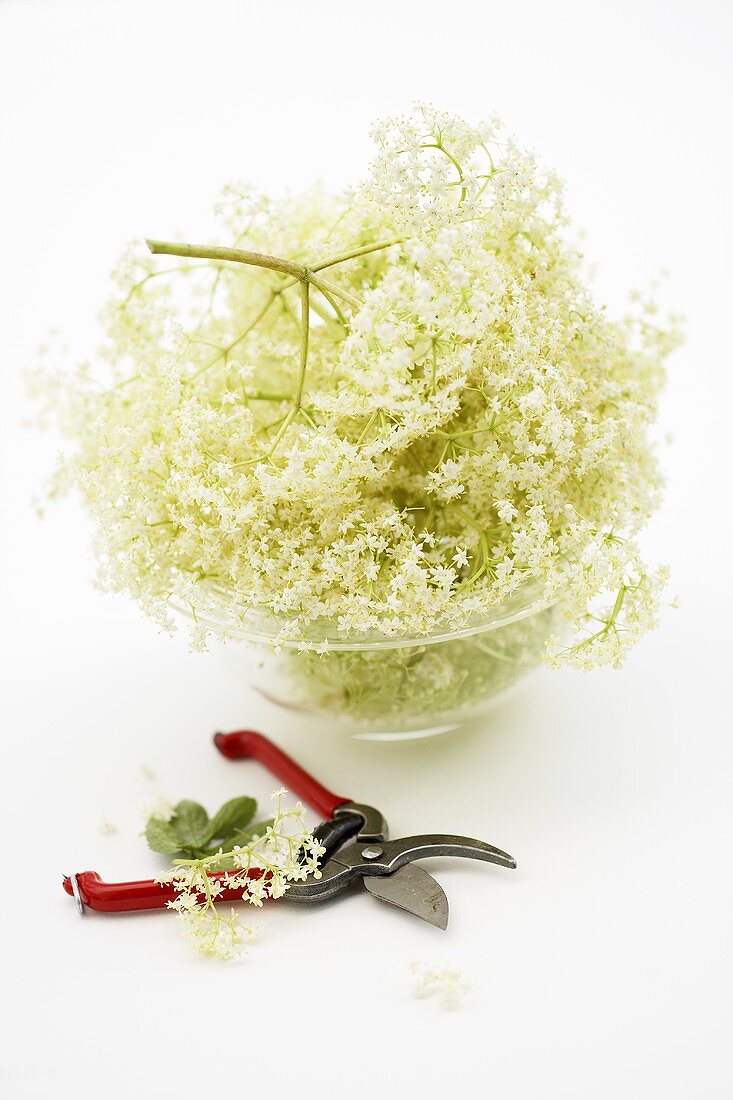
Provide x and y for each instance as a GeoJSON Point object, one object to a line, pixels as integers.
{"type": "Point", "coordinates": [260, 395]}
{"type": "Point", "coordinates": [233, 255]}
{"type": "Point", "coordinates": [461, 178]}
{"type": "Point", "coordinates": [321, 311]}
{"type": "Point", "coordinates": [299, 274]}
{"type": "Point", "coordinates": [281, 431]}
{"type": "Point", "coordinates": [466, 518]}
{"type": "Point", "coordinates": [304, 332]}
{"type": "Point", "coordinates": [224, 352]}
{"type": "Point", "coordinates": [620, 596]}
{"type": "Point", "coordinates": [354, 252]}
{"type": "Point", "coordinates": [325, 285]}
{"type": "Point", "coordinates": [152, 275]}
{"type": "Point", "coordinates": [333, 304]}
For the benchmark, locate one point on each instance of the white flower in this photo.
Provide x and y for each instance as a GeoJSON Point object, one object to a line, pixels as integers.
{"type": "Point", "coordinates": [505, 510]}
{"type": "Point", "coordinates": [160, 808]}
{"type": "Point", "coordinates": [445, 983]}
{"type": "Point", "coordinates": [460, 558]}
{"type": "Point", "coordinates": [457, 377]}
{"type": "Point", "coordinates": [264, 868]}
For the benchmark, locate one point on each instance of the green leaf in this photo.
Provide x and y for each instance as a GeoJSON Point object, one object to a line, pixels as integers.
{"type": "Point", "coordinates": [191, 824]}
{"type": "Point", "coordinates": [233, 816]}
{"type": "Point", "coordinates": [244, 836]}
{"type": "Point", "coordinates": [196, 853]}
{"type": "Point", "coordinates": [161, 836]}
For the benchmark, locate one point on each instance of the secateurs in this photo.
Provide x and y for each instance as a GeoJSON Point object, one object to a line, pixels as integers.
{"type": "Point", "coordinates": [355, 839]}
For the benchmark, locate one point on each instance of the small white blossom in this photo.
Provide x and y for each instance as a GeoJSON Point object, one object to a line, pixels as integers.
{"type": "Point", "coordinates": [505, 510]}
{"type": "Point", "coordinates": [445, 983]}
{"type": "Point", "coordinates": [467, 417]}
{"type": "Point", "coordinates": [261, 869]}
{"type": "Point", "coordinates": [160, 808]}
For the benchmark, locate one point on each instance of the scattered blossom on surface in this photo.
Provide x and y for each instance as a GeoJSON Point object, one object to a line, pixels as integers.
{"type": "Point", "coordinates": [159, 807]}
{"type": "Point", "coordinates": [442, 982]}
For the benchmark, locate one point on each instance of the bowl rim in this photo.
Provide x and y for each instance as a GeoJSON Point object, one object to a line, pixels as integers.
{"type": "Point", "coordinates": [260, 628]}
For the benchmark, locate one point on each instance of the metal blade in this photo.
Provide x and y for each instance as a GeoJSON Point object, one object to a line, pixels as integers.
{"type": "Point", "coordinates": [414, 890]}
{"type": "Point", "coordinates": [396, 853]}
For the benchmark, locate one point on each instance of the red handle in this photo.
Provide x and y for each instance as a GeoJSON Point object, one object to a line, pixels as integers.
{"type": "Point", "coordinates": [248, 743]}
{"type": "Point", "coordinates": [119, 897]}
{"type": "Point", "coordinates": [126, 897]}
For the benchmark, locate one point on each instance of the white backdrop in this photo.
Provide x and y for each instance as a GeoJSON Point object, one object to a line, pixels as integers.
{"type": "Point", "coordinates": [602, 966]}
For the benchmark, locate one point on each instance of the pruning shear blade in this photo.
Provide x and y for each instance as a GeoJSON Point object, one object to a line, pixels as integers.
{"type": "Point", "coordinates": [413, 890]}
{"type": "Point", "coordinates": [354, 845]}
{"type": "Point", "coordinates": [387, 869]}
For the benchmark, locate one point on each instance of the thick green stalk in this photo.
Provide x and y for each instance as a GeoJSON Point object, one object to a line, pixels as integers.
{"type": "Point", "coordinates": [304, 333]}
{"type": "Point", "coordinates": [233, 255]}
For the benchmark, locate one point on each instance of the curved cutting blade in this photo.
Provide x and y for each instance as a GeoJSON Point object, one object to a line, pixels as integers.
{"type": "Point", "coordinates": [414, 890]}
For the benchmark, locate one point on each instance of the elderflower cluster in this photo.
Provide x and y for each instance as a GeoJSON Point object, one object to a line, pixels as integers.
{"type": "Point", "coordinates": [264, 868]}
{"type": "Point", "coordinates": [445, 983]}
{"type": "Point", "coordinates": [438, 415]}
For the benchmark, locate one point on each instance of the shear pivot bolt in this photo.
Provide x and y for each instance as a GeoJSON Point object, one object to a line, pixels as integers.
{"type": "Point", "coordinates": [372, 853]}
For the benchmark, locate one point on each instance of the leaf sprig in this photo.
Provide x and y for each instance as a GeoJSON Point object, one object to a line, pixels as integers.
{"type": "Point", "coordinates": [192, 834]}
{"type": "Point", "coordinates": [259, 861]}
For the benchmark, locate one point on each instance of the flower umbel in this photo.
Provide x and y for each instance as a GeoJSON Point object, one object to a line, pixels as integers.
{"type": "Point", "coordinates": [261, 869]}
{"type": "Point", "coordinates": [388, 410]}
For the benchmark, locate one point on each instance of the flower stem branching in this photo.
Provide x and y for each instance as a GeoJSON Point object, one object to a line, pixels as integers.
{"type": "Point", "coordinates": [455, 416]}
{"type": "Point", "coordinates": [233, 255]}
{"type": "Point", "coordinates": [259, 868]}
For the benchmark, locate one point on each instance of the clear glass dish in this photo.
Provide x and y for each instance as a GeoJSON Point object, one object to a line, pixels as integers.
{"type": "Point", "coordinates": [386, 688]}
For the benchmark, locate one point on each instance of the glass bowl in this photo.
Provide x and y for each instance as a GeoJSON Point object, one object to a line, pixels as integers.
{"type": "Point", "coordinates": [394, 688]}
